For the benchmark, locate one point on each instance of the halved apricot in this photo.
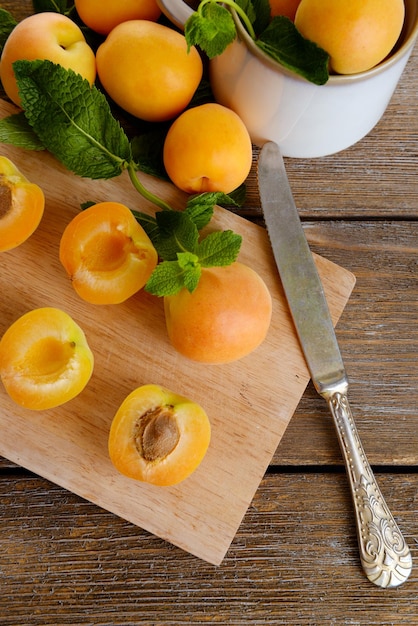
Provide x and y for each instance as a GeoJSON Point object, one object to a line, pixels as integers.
{"type": "Point", "coordinates": [45, 359]}
{"type": "Point", "coordinates": [107, 254]}
{"type": "Point", "coordinates": [158, 436]}
{"type": "Point", "coordinates": [22, 206]}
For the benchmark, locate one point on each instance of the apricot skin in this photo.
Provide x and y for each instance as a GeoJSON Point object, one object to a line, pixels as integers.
{"type": "Point", "coordinates": [284, 7]}
{"type": "Point", "coordinates": [208, 148]}
{"type": "Point", "coordinates": [189, 436]}
{"type": "Point", "coordinates": [48, 36]}
{"type": "Point", "coordinates": [103, 15]}
{"type": "Point", "coordinates": [357, 35]}
{"type": "Point", "coordinates": [224, 319]}
{"type": "Point", "coordinates": [146, 69]}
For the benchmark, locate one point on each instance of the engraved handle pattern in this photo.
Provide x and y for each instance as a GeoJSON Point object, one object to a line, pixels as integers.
{"type": "Point", "coordinates": [384, 554]}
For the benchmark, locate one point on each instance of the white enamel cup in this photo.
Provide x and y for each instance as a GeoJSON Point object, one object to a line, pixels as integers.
{"type": "Point", "coordinates": [304, 119]}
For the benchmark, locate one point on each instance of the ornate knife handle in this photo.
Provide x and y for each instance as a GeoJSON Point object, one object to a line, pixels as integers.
{"type": "Point", "coordinates": [384, 554]}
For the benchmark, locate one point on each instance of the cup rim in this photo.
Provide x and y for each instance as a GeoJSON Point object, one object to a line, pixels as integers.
{"type": "Point", "coordinates": [401, 48]}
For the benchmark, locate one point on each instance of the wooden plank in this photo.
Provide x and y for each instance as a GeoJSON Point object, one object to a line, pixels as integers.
{"type": "Point", "coordinates": [249, 402]}
{"type": "Point", "coordinates": [294, 561]}
{"type": "Point", "coordinates": [378, 338]}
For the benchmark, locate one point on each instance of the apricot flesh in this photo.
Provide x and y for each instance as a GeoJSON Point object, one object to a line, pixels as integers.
{"type": "Point", "coordinates": [224, 319]}
{"type": "Point", "coordinates": [158, 436]}
{"type": "Point", "coordinates": [45, 359]}
{"type": "Point", "coordinates": [357, 35]}
{"type": "Point", "coordinates": [107, 254]}
{"type": "Point", "coordinates": [22, 206]}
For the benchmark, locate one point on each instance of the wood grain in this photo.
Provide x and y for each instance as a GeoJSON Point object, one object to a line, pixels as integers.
{"type": "Point", "coordinates": [294, 561]}
{"type": "Point", "coordinates": [249, 402]}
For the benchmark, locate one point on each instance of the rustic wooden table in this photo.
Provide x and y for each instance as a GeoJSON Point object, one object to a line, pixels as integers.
{"type": "Point", "coordinates": [294, 559]}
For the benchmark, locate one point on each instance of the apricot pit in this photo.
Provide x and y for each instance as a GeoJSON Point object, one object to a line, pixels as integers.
{"type": "Point", "coordinates": [158, 436]}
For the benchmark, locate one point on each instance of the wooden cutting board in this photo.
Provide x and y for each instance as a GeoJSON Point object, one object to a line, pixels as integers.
{"type": "Point", "coordinates": [249, 402]}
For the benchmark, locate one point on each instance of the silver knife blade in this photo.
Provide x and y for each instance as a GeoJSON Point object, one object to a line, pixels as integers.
{"type": "Point", "coordinates": [384, 554]}
{"type": "Point", "coordinates": [298, 273]}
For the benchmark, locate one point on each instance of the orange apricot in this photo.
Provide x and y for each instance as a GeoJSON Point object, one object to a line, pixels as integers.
{"type": "Point", "coordinates": [158, 436]}
{"type": "Point", "coordinates": [46, 35]}
{"type": "Point", "coordinates": [103, 15]}
{"type": "Point", "coordinates": [357, 35]}
{"type": "Point", "coordinates": [225, 318]}
{"type": "Point", "coordinates": [45, 359]}
{"type": "Point", "coordinates": [284, 7]}
{"type": "Point", "coordinates": [208, 148]}
{"type": "Point", "coordinates": [106, 253]}
{"type": "Point", "coordinates": [22, 206]}
{"type": "Point", "coordinates": [147, 69]}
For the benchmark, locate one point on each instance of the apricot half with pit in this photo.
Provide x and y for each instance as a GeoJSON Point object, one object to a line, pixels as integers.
{"type": "Point", "coordinates": [158, 436]}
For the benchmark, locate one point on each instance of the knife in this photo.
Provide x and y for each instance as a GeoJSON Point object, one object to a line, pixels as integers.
{"type": "Point", "coordinates": [384, 554]}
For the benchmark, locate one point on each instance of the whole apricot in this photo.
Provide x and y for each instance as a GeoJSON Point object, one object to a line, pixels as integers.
{"type": "Point", "coordinates": [208, 148]}
{"type": "Point", "coordinates": [103, 15]}
{"type": "Point", "coordinates": [225, 318]}
{"type": "Point", "coordinates": [49, 36]}
{"type": "Point", "coordinates": [357, 35]}
{"type": "Point", "coordinates": [45, 359]}
{"type": "Point", "coordinates": [147, 70]}
{"type": "Point", "coordinates": [106, 253]}
{"type": "Point", "coordinates": [22, 206]}
{"type": "Point", "coordinates": [284, 7]}
{"type": "Point", "coordinates": [158, 436]}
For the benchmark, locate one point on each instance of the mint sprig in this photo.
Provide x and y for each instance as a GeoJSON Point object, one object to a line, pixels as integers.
{"type": "Point", "coordinates": [212, 28]}
{"type": "Point", "coordinates": [65, 115]}
{"type": "Point", "coordinates": [217, 249]}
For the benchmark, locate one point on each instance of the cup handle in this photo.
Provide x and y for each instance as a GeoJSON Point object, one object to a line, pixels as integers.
{"type": "Point", "coordinates": [177, 11]}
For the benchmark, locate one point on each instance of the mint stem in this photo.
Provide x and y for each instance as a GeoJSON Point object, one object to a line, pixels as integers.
{"type": "Point", "coordinates": [148, 195]}
{"type": "Point", "coordinates": [240, 12]}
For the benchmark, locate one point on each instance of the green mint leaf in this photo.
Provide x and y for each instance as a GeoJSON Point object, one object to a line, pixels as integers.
{"type": "Point", "coordinates": [166, 280]}
{"type": "Point", "coordinates": [200, 210]}
{"type": "Point", "coordinates": [235, 198]}
{"type": "Point", "coordinates": [192, 269]}
{"type": "Point", "coordinates": [262, 14]}
{"type": "Point", "coordinates": [176, 233]}
{"type": "Point", "coordinates": [72, 119]}
{"type": "Point", "coordinates": [15, 129]}
{"type": "Point", "coordinates": [248, 7]}
{"type": "Point", "coordinates": [54, 6]}
{"type": "Point", "coordinates": [219, 248]}
{"type": "Point", "coordinates": [283, 42]}
{"type": "Point", "coordinates": [211, 28]}
{"type": "Point", "coordinates": [7, 24]}
{"type": "Point", "coordinates": [147, 151]}
{"type": "Point", "coordinates": [148, 223]}
{"type": "Point", "coordinates": [187, 260]}
{"type": "Point", "coordinates": [200, 207]}
{"type": "Point", "coordinates": [87, 204]}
